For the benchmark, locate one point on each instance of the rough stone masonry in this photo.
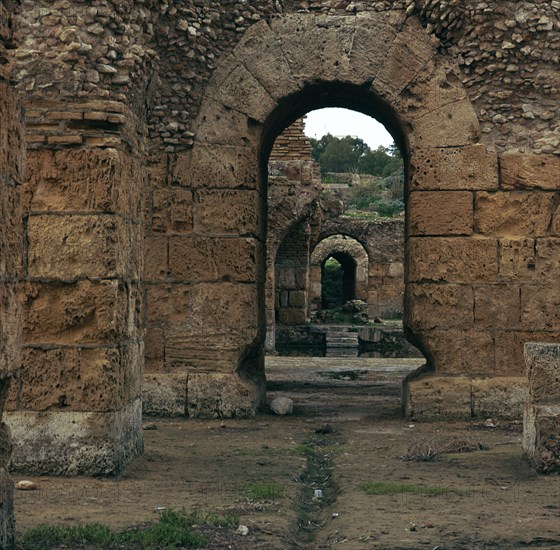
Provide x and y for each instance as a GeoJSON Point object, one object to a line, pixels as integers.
{"type": "Point", "coordinates": [148, 128]}
{"type": "Point", "coordinates": [11, 174]}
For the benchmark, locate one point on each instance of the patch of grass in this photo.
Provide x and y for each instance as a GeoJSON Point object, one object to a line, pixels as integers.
{"type": "Point", "coordinates": [173, 529]}
{"type": "Point", "coordinates": [305, 449]}
{"type": "Point", "coordinates": [263, 491]}
{"type": "Point", "coordinates": [391, 488]}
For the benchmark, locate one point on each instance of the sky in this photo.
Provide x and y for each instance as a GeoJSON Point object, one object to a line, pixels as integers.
{"type": "Point", "coordinates": [343, 122]}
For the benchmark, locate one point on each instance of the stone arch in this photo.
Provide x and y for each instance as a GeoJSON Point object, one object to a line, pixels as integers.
{"type": "Point", "coordinates": [382, 64]}
{"type": "Point", "coordinates": [343, 247]}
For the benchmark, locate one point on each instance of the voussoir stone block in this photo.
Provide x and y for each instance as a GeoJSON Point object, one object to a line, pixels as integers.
{"type": "Point", "coordinates": [260, 50]}
{"type": "Point", "coordinates": [454, 213]}
{"type": "Point", "coordinates": [241, 91]}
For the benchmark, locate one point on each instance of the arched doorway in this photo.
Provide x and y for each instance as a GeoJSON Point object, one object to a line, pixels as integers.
{"type": "Point", "coordinates": [386, 67]}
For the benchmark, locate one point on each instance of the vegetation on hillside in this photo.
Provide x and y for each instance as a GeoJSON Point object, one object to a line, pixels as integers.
{"type": "Point", "coordinates": [380, 195]}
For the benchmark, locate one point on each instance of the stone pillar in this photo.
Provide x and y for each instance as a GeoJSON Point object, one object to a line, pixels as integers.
{"type": "Point", "coordinates": [541, 421]}
{"type": "Point", "coordinates": [11, 167]}
{"type": "Point", "coordinates": [76, 408]}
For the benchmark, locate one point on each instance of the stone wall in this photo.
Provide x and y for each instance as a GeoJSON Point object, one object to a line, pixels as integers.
{"type": "Point", "coordinates": [11, 174]}
{"type": "Point", "coordinates": [383, 242]}
{"type": "Point", "coordinates": [198, 91]}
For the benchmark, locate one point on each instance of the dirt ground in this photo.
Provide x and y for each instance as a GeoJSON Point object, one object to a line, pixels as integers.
{"type": "Point", "coordinates": [346, 431]}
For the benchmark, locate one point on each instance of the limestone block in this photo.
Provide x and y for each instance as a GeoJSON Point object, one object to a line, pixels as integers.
{"type": "Point", "coordinates": [168, 304]}
{"type": "Point", "coordinates": [298, 298]}
{"type": "Point", "coordinates": [517, 258]}
{"type": "Point", "coordinates": [11, 238]}
{"type": "Point", "coordinates": [430, 397]}
{"type": "Point", "coordinates": [292, 316]}
{"type": "Point", "coordinates": [164, 394]}
{"type": "Point", "coordinates": [541, 437]}
{"type": "Point", "coordinates": [432, 306]}
{"type": "Point", "coordinates": [260, 50]}
{"type": "Point", "coordinates": [74, 443]}
{"type": "Point", "coordinates": [154, 349]}
{"type": "Point", "coordinates": [202, 259]}
{"type": "Point", "coordinates": [499, 396]}
{"type": "Point", "coordinates": [286, 278]}
{"type": "Point", "coordinates": [97, 180]}
{"type": "Point", "coordinates": [452, 125]}
{"type": "Point", "coordinates": [459, 351]}
{"type": "Point", "coordinates": [79, 312]}
{"type": "Point", "coordinates": [513, 213]}
{"type": "Point", "coordinates": [11, 135]}
{"type": "Point", "coordinates": [172, 210]}
{"type": "Point", "coordinates": [221, 125]}
{"type": "Point", "coordinates": [156, 261]}
{"type": "Point", "coordinates": [336, 40]}
{"type": "Point", "coordinates": [218, 166]}
{"type": "Point", "coordinates": [218, 395]}
{"type": "Point", "coordinates": [528, 171]}
{"type": "Point", "coordinates": [453, 213]}
{"type": "Point", "coordinates": [65, 247]}
{"type": "Point", "coordinates": [227, 211]}
{"type": "Point", "coordinates": [227, 310]}
{"type": "Point", "coordinates": [547, 260]}
{"type": "Point", "coordinates": [407, 56]}
{"type": "Point", "coordinates": [240, 90]}
{"type": "Point", "coordinates": [510, 345]}
{"type": "Point", "coordinates": [497, 306]}
{"type": "Point", "coordinates": [543, 371]}
{"type": "Point", "coordinates": [10, 329]}
{"type": "Point", "coordinates": [540, 307]}
{"type": "Point", "coordinates": [453, 259]}
{"type": "Point", "coordinates": [76, 379]}
{"type": "Point", "coordinates": [454, 168]}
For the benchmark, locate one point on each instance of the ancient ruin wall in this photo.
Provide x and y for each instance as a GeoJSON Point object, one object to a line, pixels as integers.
{"type": "Point", "coordinates": [85, 83]}
{"type": "Point", "coordinates": [11, 174]}
{"type": "Point", "coordinates": [210, 78]}
{"type": "Point", "coordinates": [383, 242]}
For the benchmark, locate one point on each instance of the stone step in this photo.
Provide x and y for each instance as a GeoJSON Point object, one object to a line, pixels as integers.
{"type": "Point", "coordinates": [341, 352]}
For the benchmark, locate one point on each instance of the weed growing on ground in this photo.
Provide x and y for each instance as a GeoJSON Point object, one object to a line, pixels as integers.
{"type": "Point", "coordinates": [263, 491]}
{"type": "Point", "coordinates": [173, 529]}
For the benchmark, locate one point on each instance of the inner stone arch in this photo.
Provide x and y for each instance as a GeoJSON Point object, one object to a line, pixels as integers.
{"type": "Point", "coordinates": [386, 67]}
{"type": "Point", "coordinates": [353, 260]}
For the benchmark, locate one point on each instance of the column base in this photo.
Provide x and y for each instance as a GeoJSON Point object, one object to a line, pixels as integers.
{"type": "Point", "coordinates": [541, 437]}
{"type": "Point", "coordinates": [224, 395]}
{"type": "Point", "coordinates": [75, 443]}
{"type": "Point", "coordinates": [436, 396]}
{"type": "Point", "coordinates": [164, 394]}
